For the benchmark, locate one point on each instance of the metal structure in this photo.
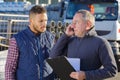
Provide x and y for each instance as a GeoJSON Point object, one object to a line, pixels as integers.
{"type": "Point", "coordinates": [36, 1]}
{"type": "Point", "coordinates": [12, 24]}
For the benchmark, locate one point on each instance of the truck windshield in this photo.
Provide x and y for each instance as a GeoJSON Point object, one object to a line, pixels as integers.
{"type": "Point", "coordinates": [101, 11]}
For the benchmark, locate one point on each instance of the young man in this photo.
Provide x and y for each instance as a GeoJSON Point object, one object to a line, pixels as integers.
{"type": "Point", "coordinates": [81, 41]}
{"type": "Point", "coordinates": [29, 49]}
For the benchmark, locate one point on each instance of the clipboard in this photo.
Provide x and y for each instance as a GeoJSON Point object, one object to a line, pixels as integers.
{"type": "Point", "coordinates": [61, 67]}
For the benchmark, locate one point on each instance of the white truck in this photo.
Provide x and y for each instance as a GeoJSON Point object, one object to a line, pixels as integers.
{"type": "Point", "coordinates": [107, 15]}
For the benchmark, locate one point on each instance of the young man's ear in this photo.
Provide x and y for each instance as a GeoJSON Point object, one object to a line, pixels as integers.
{"type": "Point", "coordinates": [88, 24]}
{"type": "Point", "coordinates": [30, 20]}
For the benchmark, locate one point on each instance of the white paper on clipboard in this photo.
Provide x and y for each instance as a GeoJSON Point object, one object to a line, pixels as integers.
{"type": "Point", "coordinates": [75, 62]}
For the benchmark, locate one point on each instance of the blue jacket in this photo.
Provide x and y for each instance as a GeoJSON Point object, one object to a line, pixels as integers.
{"type": "Point", "coordinates": [93, 52]}
{"type": "Point", "coordinates": [33, 50]}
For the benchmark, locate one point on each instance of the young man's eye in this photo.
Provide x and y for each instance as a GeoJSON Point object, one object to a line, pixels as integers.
{"type": "Point", "coordinates": [41, 21]}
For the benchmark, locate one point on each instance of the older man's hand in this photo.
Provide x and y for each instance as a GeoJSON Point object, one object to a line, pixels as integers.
{"type": "Point", "coordinates": [78, 75]}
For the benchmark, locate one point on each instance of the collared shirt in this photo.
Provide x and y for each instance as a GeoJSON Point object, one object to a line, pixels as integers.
{"type": "Point", "coordinates": [12, 59]}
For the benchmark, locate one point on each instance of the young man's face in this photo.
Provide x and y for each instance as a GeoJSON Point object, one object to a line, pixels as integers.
{"type": "Point", "coordinates": [39, 23]}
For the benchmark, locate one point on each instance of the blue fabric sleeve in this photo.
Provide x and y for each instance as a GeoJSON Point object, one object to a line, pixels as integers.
{"type": "Point", "coordinates": [107, 59]}
{"type": "Point", "coordinates": [59, 47]}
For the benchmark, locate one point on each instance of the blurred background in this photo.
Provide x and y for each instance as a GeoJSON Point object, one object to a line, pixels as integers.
{"type": "Point", "coordinates": [14, 18]}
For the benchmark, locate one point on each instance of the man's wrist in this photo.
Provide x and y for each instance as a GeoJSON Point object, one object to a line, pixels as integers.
{"type": "Point", "coordinates": [83, 75]}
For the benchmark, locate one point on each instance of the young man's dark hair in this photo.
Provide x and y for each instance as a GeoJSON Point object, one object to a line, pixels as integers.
{"type": "Point", "coordinates": [37, 10]}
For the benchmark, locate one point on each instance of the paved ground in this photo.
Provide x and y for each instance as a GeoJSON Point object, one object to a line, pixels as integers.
{"type": "Point", "coordinates": [115, 78]}
{"type": "Point", "coordinates": [3, 55]}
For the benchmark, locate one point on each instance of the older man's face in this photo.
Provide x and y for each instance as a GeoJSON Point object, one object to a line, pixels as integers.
{"type": "Point", "coordinates": [79, 25]}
